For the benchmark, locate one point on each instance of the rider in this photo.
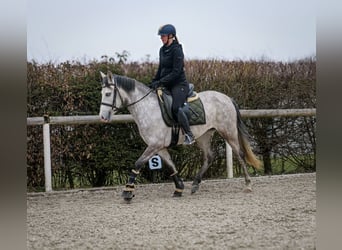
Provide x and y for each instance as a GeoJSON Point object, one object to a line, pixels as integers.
{"type": "Point", "coordinates": [171, 75]}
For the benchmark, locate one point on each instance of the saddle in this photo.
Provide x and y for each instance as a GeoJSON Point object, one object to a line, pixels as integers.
{"type": "Point", "coordinates": [194, 111]}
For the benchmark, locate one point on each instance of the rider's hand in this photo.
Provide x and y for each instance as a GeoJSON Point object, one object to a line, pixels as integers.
{"type": "Point", "coordinates": [154, 85]}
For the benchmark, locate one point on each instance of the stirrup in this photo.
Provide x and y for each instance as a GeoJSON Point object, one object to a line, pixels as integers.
{"type": "Point", "coordinates": [188, 140]}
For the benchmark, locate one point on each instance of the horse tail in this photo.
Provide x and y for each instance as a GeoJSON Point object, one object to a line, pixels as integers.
{"type": "Point", "coordinates": [244, 136]}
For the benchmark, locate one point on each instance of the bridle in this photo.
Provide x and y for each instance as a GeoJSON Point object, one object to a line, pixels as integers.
{"type": "Point", "coordinates": [117, 92]}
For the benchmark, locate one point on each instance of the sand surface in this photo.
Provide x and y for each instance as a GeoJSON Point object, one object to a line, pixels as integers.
{"type": "Point", "coordinates": [280, 213]}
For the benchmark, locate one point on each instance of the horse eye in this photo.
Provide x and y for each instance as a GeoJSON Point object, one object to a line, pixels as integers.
{"type": "Point", "coordinates": [108, 94]}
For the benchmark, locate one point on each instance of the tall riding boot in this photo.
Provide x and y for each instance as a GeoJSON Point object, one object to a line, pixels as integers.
{"type": "Point", "coordinates": [184, 122]}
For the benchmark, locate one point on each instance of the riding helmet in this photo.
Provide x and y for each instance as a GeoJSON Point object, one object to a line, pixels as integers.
{"type": "Point", "coordinates": [167, 29]}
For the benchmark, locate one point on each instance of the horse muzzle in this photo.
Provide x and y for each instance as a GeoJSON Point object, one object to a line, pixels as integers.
{"type": "Point", "coordinates": [104, 120]}
{"type": "Point", "coordinates": [105, 117]}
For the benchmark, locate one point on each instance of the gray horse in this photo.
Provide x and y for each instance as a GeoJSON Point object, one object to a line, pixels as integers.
{"type": "Point", "coordinates": [221, 114]}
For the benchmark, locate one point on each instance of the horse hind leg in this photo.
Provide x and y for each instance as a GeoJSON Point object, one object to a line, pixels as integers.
{"type": "Point", "coordinates": [204, 143]}
{"type": "Point", "coordinates": [241, 159]}
{"type": "Point", "coordinates": [233, 141]}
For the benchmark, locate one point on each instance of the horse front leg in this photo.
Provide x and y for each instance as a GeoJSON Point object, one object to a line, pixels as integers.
{"type": "Point", "coordinates": [179, 185]}
{"type": "Point", "coordinates": [164, 154]}
{"type": "Point", "coordinates": [128, 192]}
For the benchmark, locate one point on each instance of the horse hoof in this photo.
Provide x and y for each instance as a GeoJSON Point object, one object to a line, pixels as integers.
{"type": "Point", "coordinates": [194, 189]}
{"type": "Point", "coordinates": [177, 194]}
{"type": "Point", "coordinates": [127, 195]}
{"type": "Point", "coordinates": [127, 200]}
{"type": "Point", "coordinates": [247, 190]}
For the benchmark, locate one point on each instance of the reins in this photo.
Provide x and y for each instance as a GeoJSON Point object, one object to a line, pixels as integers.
{"type": "Point", "coordinates": [131, 104]}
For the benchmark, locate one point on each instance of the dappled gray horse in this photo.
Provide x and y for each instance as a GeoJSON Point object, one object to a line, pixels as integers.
{"type": "Point", "coordinates": [221, 114]}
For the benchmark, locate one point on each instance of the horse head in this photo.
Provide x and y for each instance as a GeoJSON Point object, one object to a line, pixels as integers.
{"type": "Point", "coordinates": [109, 101]}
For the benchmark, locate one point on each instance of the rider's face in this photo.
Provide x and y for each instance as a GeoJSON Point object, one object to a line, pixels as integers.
{"type": "Point", "coordinates": [164, 39]}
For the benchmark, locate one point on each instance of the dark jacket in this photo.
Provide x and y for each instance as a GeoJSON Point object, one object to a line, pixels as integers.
{"type": "Point", "coordinates": [171, 66]}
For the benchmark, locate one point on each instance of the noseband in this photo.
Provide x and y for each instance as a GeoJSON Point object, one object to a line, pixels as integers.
{"type": "Point", "coordinates": [117, 92]}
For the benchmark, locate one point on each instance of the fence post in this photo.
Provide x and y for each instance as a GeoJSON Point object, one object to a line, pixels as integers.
{"type": "Point", "coordinates": [229, 159]}
{"type": "Point", "coordinates": [47, 153]}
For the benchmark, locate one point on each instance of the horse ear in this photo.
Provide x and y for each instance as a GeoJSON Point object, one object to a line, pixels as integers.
{"type": "Point", "coordinates": [110, 76]}
{"type": "Point", "coordinates": [102, 74]}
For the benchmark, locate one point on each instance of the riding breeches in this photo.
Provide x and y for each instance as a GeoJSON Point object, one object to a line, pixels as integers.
{"type": "Point", "coordinates": [179, 95]}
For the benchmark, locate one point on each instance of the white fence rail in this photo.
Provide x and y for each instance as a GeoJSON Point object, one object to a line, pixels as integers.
{"type": "Point", "coordinates": [46, 121]}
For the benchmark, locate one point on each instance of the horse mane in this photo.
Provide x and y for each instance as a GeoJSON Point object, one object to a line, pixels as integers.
{"type": "Point", "coordinates": [126, 83]}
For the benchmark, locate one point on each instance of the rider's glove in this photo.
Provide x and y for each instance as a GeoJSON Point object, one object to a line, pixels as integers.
{"type": "Point", "coordinates": [154, 85]}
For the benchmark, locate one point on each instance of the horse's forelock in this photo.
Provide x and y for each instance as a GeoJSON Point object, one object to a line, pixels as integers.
{"type": "Point", "coordinates": [105, 81]}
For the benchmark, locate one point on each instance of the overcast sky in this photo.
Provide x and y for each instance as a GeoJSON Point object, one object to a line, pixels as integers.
{"type": "Point", "coordinates": [60, 30]}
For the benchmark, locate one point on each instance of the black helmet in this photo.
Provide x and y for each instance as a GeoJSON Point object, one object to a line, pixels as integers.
{"type": "Point", "coordinates": [167, 29]}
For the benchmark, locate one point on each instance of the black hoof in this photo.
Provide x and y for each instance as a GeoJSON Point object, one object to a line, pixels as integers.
{"type": "Point", "coordinates": [127, 195]}
{"type": "Point", "coordinates": [177, 194]}
{"type": "Point", "coordinates": [194, 189]}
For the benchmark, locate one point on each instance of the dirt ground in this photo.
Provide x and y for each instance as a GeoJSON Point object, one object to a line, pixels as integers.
{"type": "Point", "coordinates": [280, 213]}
